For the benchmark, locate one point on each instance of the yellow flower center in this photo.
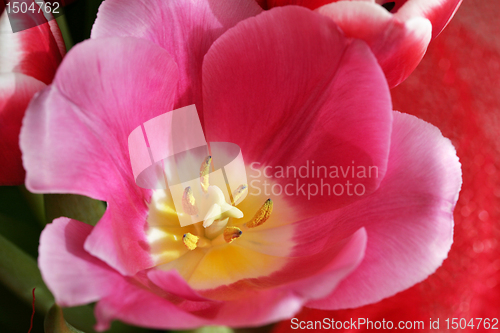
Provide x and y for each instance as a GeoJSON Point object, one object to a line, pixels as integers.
{"type": "Point", "coordinates": [226, 246]}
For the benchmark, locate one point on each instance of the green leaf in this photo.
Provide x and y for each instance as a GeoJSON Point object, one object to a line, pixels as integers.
{"type": "Point", "coordinates": [55, 323]}
{"type": "Point", "coordinates": [74, 206]}
{"type": "Point", "coordinates": [13, 204]}
{"type": "Point", "coordinates": [19, 272]}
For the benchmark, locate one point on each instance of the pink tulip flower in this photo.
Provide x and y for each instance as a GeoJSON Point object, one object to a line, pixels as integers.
{"type": "Point", "coordinates": [398, 32]}
{"type": "Point", "coordinates": [287, 87]}
{"type": "Point", "coordinates": [28, 61]}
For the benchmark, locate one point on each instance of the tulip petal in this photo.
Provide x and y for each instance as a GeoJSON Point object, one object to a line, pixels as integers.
{"type": "Point", "coordinates": [119, 238]}
{"type": "Point", "coordinates": [340, 101]}
{"type": "Point", "coordinates": [186, 29]}
{"type": "Point", "coordinates": [439, 12]}
{"type": "Point", "coordinates": [75, 137]}
{"type": "Point", "coordinates": [75, 134]}
{"type": "Point", "coordinates": [134, 305]}
{"type": "Point", "coordinates": [173, 283]}
{"type": "Point", "coordinates": [325, 281]}
{"type": "Point", "coordinates": [16, 90]}
{"type": "Point", "coordinates": [137, 306]}
{"type": "Point", "coordinates": [398, 44]}
{"type": "Point", "coordinates": [260, 308]}
{"type": "Point", "coordinates": [310, 271]}
{"type": "Point", "coordinates": [74, 276]}
{"type": "Point", "coordinates": [409, 220]}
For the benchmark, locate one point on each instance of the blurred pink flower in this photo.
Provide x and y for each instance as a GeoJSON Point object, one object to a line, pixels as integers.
{"type": "Point", "coordinates": [398, 32]}
{"type": "Point", "coordinates": [28, 62]}
{"type": "Point", "coordinates": [255, 86]}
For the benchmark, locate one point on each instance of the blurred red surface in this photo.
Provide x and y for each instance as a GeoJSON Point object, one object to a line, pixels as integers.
{"type": "Point", "coordinates": [457, 89]}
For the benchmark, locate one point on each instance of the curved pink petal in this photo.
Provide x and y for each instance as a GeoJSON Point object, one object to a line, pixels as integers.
{"type": "Point", "coordinates": [16, 90]}
{"type": "Point", "coordinates": [119, 238]}
{"type": "Point", "coordinates": [74, 276]}
{"type": "Point", "coordinates": [409, 220]}
{"type": "Point", "coordinates": [327, 279]}
{"type": "Point", "coordinates": [398, 44]}
{"type": "Point", "coordinates": [75, 137]}
{"type": "Point", "coordinates": [261, 308]}
{"type": "Point", "coordinates": [75, 133]}
{"type": "Point", "coordinates": [314, 267]}
{"type": "Point", "coordinates": [190, 310]}
{"type": "Point", "coordinates": [186, 29]}
{"type": "Point", "coordinates": [398, 37]}
{"type": "Point", "coordinates": [439, 12]}
{"type": "Point", "coordinates": [260, 73]}
{"type": "Point", "coordinates": [135, 305]}
{"type": "Point", "coordinates": [173, 283]}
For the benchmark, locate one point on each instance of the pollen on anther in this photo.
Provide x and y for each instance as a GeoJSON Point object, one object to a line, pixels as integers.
{"type": "Point", "coordinates": [231, 233]}
{"type": "Point", "coordinates": [189, 202]}
{"type": "Point", "coordinates": [190, 240]}
{"type": "Point", "coordinates": [204, 173]}
{"type": "Point", "coordinates": [240, 191]}
{"type": "Point", "coordinates": [262, 215]}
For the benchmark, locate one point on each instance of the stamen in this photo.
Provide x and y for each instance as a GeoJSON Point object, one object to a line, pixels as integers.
{"type": "Point", "coordinates": [190, 240]}
{"type": "Point", "coordinates": [204, 173]}
{"type": "Point", "coordinates": [262, 215]}
{"type": "Point", "coordinates": [231, 233]}
{"type": "Point", "coordinates": [242, 189]}
{"type": "Point", "coordinates": [189, 202]}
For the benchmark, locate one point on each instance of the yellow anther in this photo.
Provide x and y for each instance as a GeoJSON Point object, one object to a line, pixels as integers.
{"type": "Point", "coordinates": [190, 240]}
{"type": "Point", "coordinates": [262, 215]}
{"type": "Point", "coordinates": [240, 191]}
{"type": "Point", "coordinates": [231, 233]}
{"type": "Point", "coordinates": [204, 173]}
{"type": "Point", "coordinates": [189, 202]}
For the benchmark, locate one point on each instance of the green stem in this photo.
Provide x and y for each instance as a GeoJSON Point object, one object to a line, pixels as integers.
{"type": "Point", "coordinates": [35, 201]}
{"type": "Point", "coordinates": [208, 329]}
{"type": "Point", "coordinates": [63, 26]}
